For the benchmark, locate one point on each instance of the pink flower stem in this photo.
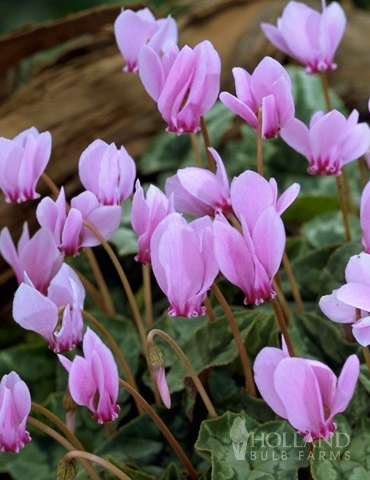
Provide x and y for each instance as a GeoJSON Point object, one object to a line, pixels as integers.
{"type": "Point", "coordinates": [282, 300]}
{"type": "Point", "coordinates": [259, 142]}
{"type": "Point", "coordinates": [283, 328]}
{"type": "Point", "coordinates": [325, 90]}
{"type": "Point", "coordinates": [210, 312]}
{"type": "Point", "coordinates": [207, 144]}
{"type": "Point", "coordinates": [247, 369]}
{"type": "Point", "coordinates": [363, 172]}
{"type": "Point", "coordinates": [195, 147]}
{"type": "Point", "coordinates": [117, 352]}
{"type": "Point", "coordinates": [163, 428]}
{"type": "Point", "coordinates": [65, 444]}
{"type": "Point", "coordinates": [146, 270]}
{"type": "Point", "coordinates": [189, 367]}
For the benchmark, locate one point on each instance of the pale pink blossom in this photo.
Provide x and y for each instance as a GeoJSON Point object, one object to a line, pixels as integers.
{"type": "Point", "coordinates": [37, 257]}
{"type": "Point", "coordinates": [307, 35]}
{"type": "Point", "coordinates": [56, 316]}
{"type": "Point", "coordinates": [198, 191]}
{"type": "Point", "coordinates": [146, 213]}
{"type": "Point", "coordinates": [330, 142]}
{"type": "Point", "coordinates": [183, 262]}
{"type": "Point", "coordinates": [269, 88]}
{"type": "Point", "coordinates": [70, 234]}
{"type": "Point", "coordinates": [185, 84]}
{"type": "Point", "coordinates": [305, 392]}
{"type": "Point", "coordinates": [135, 29]}
{"type": "Point", "coordinates": [15, 406]}
{"type": "Point", "coordinates": [107, 172]}
{"type": "Point", "coordinates": [93, 379]}
{"type": "Point", "coordinates": [22, 162]}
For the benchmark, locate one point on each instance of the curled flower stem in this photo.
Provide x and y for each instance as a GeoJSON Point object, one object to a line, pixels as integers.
{"type": "Point", "coordinates": [207, 144]}
{"type": "Point", "coordinates": [293, 283]}
{"type": "Point", "coordinates": [247, 369]}
{"type": "Point", "coordinates": [284, 330]}
{"type": "Point", "coordinates": [96, 459]}
{"type": "Point", "coordinates": [117, 352]}
{"type": "Point", "coordinates": [125, 283]}
{"type": "Point", "coordinates": [109, 307]}
{"type": "Point", "coordinates": [166, 432]}
{"type": "Point", "coordinates": [259, 142]}
{"type": "Point", "coordinates": [343, 207]}
{"type": "Point", "coordinates": [65, 444]}
{"type": "Point", "coordinates": [189, 367]}
{"type": "Point", "coordinates": [147, 294]}
{"type": "Point", "coordinates": [195, 147]}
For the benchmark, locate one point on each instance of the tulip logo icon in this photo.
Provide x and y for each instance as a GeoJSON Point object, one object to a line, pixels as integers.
{"type": "Point", "coordinates": [239, 436]}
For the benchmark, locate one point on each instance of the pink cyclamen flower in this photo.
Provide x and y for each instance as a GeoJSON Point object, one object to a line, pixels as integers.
{"type": "Point", "coordinates": [351, 302]}
{"type": "Point", "coordinates": [305, 392]}
{"type": "Point", "coordinates": [57, 316]}
{"type": "Point", "coordinates": [93, 379]}
{"type": "Point", "coordinates": [269, 88]}
{"type": "Point", "coordinates": [310, 37]}
{"type": "Point", "coordinates": [135, 29]}
{"type": "Point", "coordinates": [183, 262]}
{"type": "Point", "coordinates": [365, 217]}
{"type": "Point", "coordinates": [107, 172]}
{"type": "Point", "coordinates": [185, 84]}
{"type": "Point", "coordinates": [197, 191]}
{"type": "Point", "coordinates": [330, 142]}
{"type": "Point", "coordinates": [250, 259]}
{"type": "Point", "coordinates": [22, 162]}
{"type": "Point", "coordinates": [15, 406]}
{"type": "Point", "coordinates": [70, 234]}
{"type": "Point", "coordinates": [37, 257]}
{"type": "Point", "coordinates": [146, 213]}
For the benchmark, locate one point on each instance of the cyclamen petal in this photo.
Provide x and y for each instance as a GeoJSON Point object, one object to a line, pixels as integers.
{"type": "Point", "coordinates": [305, 392]}
{"type": "Point", "coordinates": [183, 270]}
{"type": "Point", "coordinates": [93, 379]}
{"type": "Point", "coordinates": [22, 161]}
{"type": "Point", "coordinates": [331, 142]}
{"type": "Point", "coordinates": [307, 35]}
{"type": "Point", "coordinates": [269, 88]}
{"type": "Point", "coordinates": [15, 406]}
{"type": "Point", "coordinates": [133, 30]}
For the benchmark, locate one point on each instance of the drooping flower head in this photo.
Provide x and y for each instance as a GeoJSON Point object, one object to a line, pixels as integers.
{"type": "Point", "coordinates": [107, 172]}
{"type": "Point", "coordinates": [22, 161]}
{"type": "Point", "coordinates": [146, 213]}
{"type": "Point", "coordinates": [185, 84]}
{"type": "Point", "coordinates": [198, 191]}
{"type": "Point", "coordinates": [331, 141]}
{"type": "Point", "coordinates": [68, 229]}
{"type": "Point", "coordinates": [305, 392]}
{"type": "Point", "coordinates": [93, 379]}
{"type": "Point", "coordinates": [183, 262]}
{"type": "Point", "coordinates": [251, 258]}
{"type": "Point", "coordinates": [135, 29]}
{"type": "Point", "coordinates": [38, 257]}
{"type": "Point", "coordinates": [57, 316]}
{"type": "Point", "coordinates": [15, 406]}
{"type": "Point", "coordinates": [269, 87]}
{"type": "Point", "coordinates": [351, 302]}
{"type": "Point", "coordinates": [310, 37]}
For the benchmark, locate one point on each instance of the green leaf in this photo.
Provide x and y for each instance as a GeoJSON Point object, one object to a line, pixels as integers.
{"type": "Point", "coordinates": [125, 241]}
{"type": "Point", "coordinates": [328, 229]}
{"type": "Point", "coordinates": [345, 456]}
{"type": "Point", "coordinates": [240, 448]}
{"type": "Point", "coordinates": [172, 473]}
{"type": "Point", "coordinates": [306, 207]}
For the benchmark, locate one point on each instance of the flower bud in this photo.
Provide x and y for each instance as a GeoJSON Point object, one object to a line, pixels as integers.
{"type": "Point", "coordinates": [155, 359]}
